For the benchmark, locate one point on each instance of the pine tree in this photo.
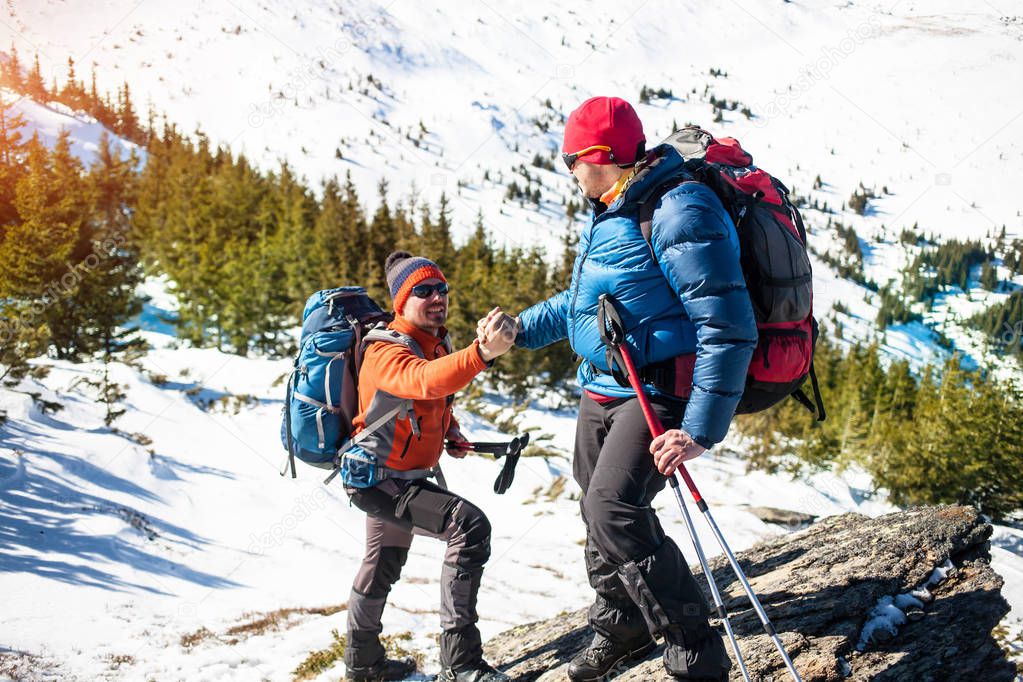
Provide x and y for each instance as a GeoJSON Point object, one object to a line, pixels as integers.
{"type": "Point", "coordinates": [34, 85]}
{"type": "Point", "coordinates": [331, 231]}
{"type": "Point", "coordinates": [436, 241]}
{"type": "Point", "coordinates": [105, 298]}
{"type": "Point", "coordinates": [12, 166]}
{"type": "Point", "coordinates": [10, 71]}
{"type": "Point", "coordinates": [989, 276]}
{"type": "Point", "coordinates": [73, 94]}
{"type": "Point", "coordinates": [471, 284]}
{"type": "Point", "coordinates": [357, 242]}
{"type": "Point", "coordinates": [23, 334]}
{"type": "Point", "coordinates": [52, 204]}
{"type": "Point", "coordinates": [127, 120]}
{"type": "Point", "coordinates": [383, 239]}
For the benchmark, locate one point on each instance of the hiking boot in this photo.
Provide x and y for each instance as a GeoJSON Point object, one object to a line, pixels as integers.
{"type": "Point", "coordinates": [386, 669]}
{"type": "Point", "coordinates": [697, 655]}
{"type": "Point", "coordinates": [481, 673]}
{"type": "Point", "coordinates": [604, 654]}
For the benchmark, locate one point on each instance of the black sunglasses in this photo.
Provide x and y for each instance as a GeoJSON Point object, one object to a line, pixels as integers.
{"type": "Point", "coordinates": [426, 290]}
{"type": "Point", "coordinates": [570, 159]}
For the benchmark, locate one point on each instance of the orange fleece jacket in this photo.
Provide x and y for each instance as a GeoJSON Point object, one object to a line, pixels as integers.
{"type": "Point", "coordinates": [395, 369]}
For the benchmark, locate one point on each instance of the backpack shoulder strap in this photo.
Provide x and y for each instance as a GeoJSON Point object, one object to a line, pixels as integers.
{"type": "Point", "coordinates": [449, 349]}
{"type": "Point", "coordinates": [380, 333]}
{"type": "Point", "coordinates": [648, 203]}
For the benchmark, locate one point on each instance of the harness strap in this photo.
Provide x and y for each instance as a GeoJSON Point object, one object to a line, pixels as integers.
{"type": "Point", "coordinates": [404, 406]}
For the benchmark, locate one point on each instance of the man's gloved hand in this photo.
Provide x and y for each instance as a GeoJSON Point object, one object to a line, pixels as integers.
{"type": "Point", "coordinates": [672, 448]}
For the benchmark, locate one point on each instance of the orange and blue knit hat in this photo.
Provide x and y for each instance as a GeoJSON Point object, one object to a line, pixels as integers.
{"type": "Point", "coordinates": [403, 271]}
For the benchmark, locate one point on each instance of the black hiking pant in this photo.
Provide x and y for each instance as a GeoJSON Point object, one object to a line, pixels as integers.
{"type": "Point", "coordinates": [642, 581]}
{"type": "Point", "coordinates": [395, 511]}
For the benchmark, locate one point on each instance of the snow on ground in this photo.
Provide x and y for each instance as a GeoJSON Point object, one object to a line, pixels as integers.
{"type": "Point", "coordinates": [84, 132]}
{"type": "Point", "coordinates": [114, 549]}
{"type": "Point", "coordinates": [122, 558]}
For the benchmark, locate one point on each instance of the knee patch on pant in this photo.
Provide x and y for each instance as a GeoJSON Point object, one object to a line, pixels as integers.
{"type": "Point", "coordinates": [426, 507]}
{"type": "Point", "coordinates": [469, 546]}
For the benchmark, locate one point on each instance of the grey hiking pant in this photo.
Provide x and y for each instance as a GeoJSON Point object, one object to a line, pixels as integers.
{"type": "Point", "coordinates": [395, 511]}
{"type": "Point", "coordinates": [642, 581]}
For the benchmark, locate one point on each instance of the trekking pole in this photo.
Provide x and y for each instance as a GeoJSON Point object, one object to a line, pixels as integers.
{"type": "Point", "coordinates": [718, 603]}
{"type": "Point", "coordinates": [615, 337]}
{"type": "Point", "coordinates": [509, 450]}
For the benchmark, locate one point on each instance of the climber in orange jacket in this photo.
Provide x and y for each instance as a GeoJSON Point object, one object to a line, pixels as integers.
{"type": "Point", "coordinates": [418, 365]}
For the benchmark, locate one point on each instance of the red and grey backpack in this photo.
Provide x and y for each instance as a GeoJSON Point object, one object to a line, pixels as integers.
{"type": "Point", "coordinates": [774, 259]}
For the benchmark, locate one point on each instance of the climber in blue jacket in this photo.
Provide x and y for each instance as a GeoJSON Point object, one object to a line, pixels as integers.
{"type": "Point", "coordinates": [691, 332]}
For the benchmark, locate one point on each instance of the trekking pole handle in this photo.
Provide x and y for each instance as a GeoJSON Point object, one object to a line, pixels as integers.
{"type": "Point", "coordinates": [657, 429]}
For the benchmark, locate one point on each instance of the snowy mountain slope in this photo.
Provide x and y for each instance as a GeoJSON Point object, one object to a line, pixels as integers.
{"type": "Point", "coordinates": [110, 554]}
{"type": "Point", "coordinates": [47, 120]}
{"type": "Point", "coordinates": [912, 96]}
{"type": "Point", "coordinates": [908, 99]}
{"type": "Point", "coordinates": [116, 552]}
{"type": "Point", "coordinates": [884, 258]}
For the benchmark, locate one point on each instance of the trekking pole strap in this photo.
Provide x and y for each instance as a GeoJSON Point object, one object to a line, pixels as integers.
{"type": "Point", "coordinates": [613, 333]}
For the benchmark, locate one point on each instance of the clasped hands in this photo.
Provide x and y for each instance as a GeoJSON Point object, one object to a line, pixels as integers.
{"type": "Point", "coordinates": [496, 334]}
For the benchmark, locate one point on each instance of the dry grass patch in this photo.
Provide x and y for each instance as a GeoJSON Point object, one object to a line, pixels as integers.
{"type": "Point", "coordinates": [281, 618]}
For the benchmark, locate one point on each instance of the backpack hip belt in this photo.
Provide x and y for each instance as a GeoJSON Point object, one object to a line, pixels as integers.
{"type": "Point", "coordinates": [673, 376]}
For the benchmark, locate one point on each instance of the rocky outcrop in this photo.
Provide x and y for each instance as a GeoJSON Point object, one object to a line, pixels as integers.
{"type": "Point", "coordinates": [821, 587]}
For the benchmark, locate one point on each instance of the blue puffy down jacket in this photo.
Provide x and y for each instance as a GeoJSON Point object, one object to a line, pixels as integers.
{"type": "Point", "coordinates": [692, 300]}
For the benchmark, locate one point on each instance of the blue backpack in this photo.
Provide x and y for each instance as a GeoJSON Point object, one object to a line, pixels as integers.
{"type": "Point", "coordinates": [322, 391]}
